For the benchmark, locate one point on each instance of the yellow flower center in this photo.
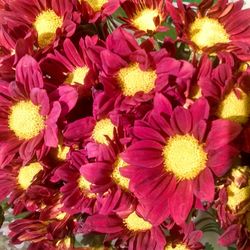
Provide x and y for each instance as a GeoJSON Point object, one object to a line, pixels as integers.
{"type": "Point", "coordinates": [244, 66]}
{"type": "Point", "coordinates": [96, 5]}
{"type": "Point", "coordinates": [184, 157]}
{"type": "Point", "coordinates": [237, 195]}
{"type": "Point", "coordinates": [207, 32]}
{"type": "Point", "coordinates": [85, 186]}
{"type": "Point", "coordinates": [77, 76]}
{"type": "Point", "coordinates": [46, 25]}
{"type": "Point", "coordinates": [234, 108]}
{"type": "Point", "coordinates": [62, 152]}
{"type": "Point", "coordinates": [61, 215]}
{"type": "Point", "coordinates": [135, 223]}
{"type": "Point", "coordinates": [25, 120]}
{"type": "Point", "coordinates": [195, 92]}
{"type": "Point", "coordinates": [132, 79]}
{"type": "Point", "coordinates": [27, 173]}
{"type": "Point", "coordinates": [66, 242]}
{"type": "Point", "coordinates": [144, 20]}
{"type": "Point", "coordinates": [120, 180]}
{"type": "Point", "coordinates": [103, 128]}
{"type": "Point", "coordinates": [179, 246]}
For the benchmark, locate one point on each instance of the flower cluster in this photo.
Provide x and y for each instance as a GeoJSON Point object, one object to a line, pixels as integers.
{"type": "Point", "coordinates": [125, 119]}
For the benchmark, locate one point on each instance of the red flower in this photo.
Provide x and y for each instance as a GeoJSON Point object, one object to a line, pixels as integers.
{"type": "Point", "coordinates": [171, 179]}
{"type": "Point", "coordinates": [213, 28]}
{"type": "Point", "coordinates": [144, 16]}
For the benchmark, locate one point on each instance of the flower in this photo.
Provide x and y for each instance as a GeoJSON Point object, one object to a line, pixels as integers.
{"type": "Point", "coordinates": [171, 179]}
{"type": "Point", "coordinates": [212, 29]}
{"type": "Point", "coordinates": [49, 20]}
{"type": "Point", "coordinates": [131, 229]}
{"type": "Point", "coordinates": [144, 16]}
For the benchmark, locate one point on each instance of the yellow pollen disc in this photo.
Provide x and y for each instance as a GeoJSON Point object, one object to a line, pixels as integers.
{"type": "Point", "coordinates": [96, 5]}
{"type": "Point", "coordinates": [85, 186]}
{"type": "Point", "coordinates": [184, 157]}
{"type": "Point", "coordinates": [234, 108]}
{"type": "Point", "coordinates": [46, 25]}
{"type": "Point", "coordinates": [77, 76]}
{"type": "Point", "coordinates": [27, 173]}
{"type": "Point", "coordinates": [25, 120]}
{"type": "Point", "coordinates": [135, 223]}
{"type": "Point", "coordinates": [144, 20]}
{"type": "Point", "coordinates": [62, 152]}
{"type": "Point", "coordinates": [103, 128]}
{"type": "Point", "coordinates": [132, 79]}
{"type": "Point", "coordinates": [179, 246]}
{"type": "Point", "coordinates": [244, 66]}
{"type": "Point", "coordinates": [237, 195]}
{"type": "Point", "coordinates": [61, 216]}
{"type": "Point", "coordinates": [195, 92]}
{"type": "Point", "coordinates": [120, 180]}
{"type": "Point", "coordinates": [207, 32]}
{"type": "Point", "coordinates": [66, 242]}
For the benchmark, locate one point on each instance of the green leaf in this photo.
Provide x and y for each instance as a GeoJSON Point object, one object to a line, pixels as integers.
{"type": "Point", "coordinates": [208, 246]}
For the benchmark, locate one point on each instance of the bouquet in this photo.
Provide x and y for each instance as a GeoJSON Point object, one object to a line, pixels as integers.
{"type": "Point", "coordinates": [124, 124]}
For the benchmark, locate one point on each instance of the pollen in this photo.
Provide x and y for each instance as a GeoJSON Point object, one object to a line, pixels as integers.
{"type": "Point", "coordinates": [179, 246]}
{"type": "Point", "coordinates": [62, 152]}
{"type": "Point", "coordinates": [244, 66]}
{"type": "Point", "coordinates": [61, 215]}
{"type": "Point", "coordinates": [85, 186]}
{"type": "Point", "coordinates": [77, 76]}
{"type": "Point", "coordinates": [135, 223]}
{"type": "Point", "coordinates": [206, 32]}
{"type": "Point", "coordinates": [235, 108]}
{"type": "Point", "coordinates": [25, 120]}
{"type": "Point", "coordinates": [96, 5]}
{"type": "Point", "coordinates": [46, 25]}
{"type": "Point", "coordinates": [27, 173]}
{"type": "Point", "coordinates": [102, 129]}
{"type": "Point", "coordinates": [132, 79]}
{"type": "Point", "coordinates": [144, 20]}
{"type": "Point", "coordinates": [120, 180]}
{"type": "Point", "coordinates": [237, 196]}
{"type": "Point", "coordinates": [190, 162]}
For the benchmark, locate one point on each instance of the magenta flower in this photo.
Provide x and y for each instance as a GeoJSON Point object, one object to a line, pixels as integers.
{"type": "Point", "coordinates": [176, 157]}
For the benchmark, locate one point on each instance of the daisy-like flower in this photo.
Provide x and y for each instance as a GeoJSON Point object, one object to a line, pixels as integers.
{"type": "Point", "coordinates": [144, 16]}
{"type": "Point", "coordinates": [131, 75]}
{"type": "Point", "coordinates": [97, 8]}
{"type": "Point", "coordinates": [48, 19]}
{"type": "Point", "coordinates": [176, 156]}
{"type": "Point", "coordinates": [28, 116]}
{"type": "Point", "coordinates": [25, 185]}
{"type": "Point", "coordinates": [74, 68]}
{"type": "Point", "coordinates": [233, 209]}
{"type": "Point", "coordinates": [213, 28]}
{"type": "Point", "coordinates": [184, 238]}
{"type": "Point", "coordinates": [76, 192]}
{"type": "Point", "coordinates": [131, 229]}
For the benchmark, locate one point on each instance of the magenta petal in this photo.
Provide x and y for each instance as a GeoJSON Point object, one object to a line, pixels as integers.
{"type": "Point", "coordinates": [103, 224]}
{"type": "Point", "coordinates": [200, 110]}
{"type": "Point", "coordinates": [97, 173]}
{"type": "Point", "coordinates": [230, 235]}
{"type": "Point", "coordinates": [181, 120]}
{"type": "Point", "coordinates": [40, 98]}
{"type": "Point", "coordinates": [181, 202]}
{"type": "Point", "coordinates": [162, 104]}
{"type": "Point", "coordinates": [220, 161]}
{"type": "Point", "coordinates": [222, 133]}
{"type": "Point", "coordinates": [204, 186]}
{"type": "Point", "coordinates": [147, 154]}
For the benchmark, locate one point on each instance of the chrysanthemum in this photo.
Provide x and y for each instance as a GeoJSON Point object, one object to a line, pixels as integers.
{"type": "Point", "coordinates": [76, 191]}
{"type": "Point", "coordinates": [213, 28]}
{"type": "Point", "coordinates": [48, 19]}
{"type": "Point", "coordinates": [131, 75]}
{"type": "Point", "coordinates": [24, 185]}
{"type": "Point", "coordinates": [131, 229]}
{"type": "Point", "coordinates": [233, 208]}
{"type": "Point", "coordinates": [144, 16]}
{"type": "Point", "coordinates": [97, 8]}
{"type": "Point", "coordinates": [75, 67]}
{"type": "Point", "coordinates": [176, 156]}
{"type": "Point", "coordinates": [28, 116]}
